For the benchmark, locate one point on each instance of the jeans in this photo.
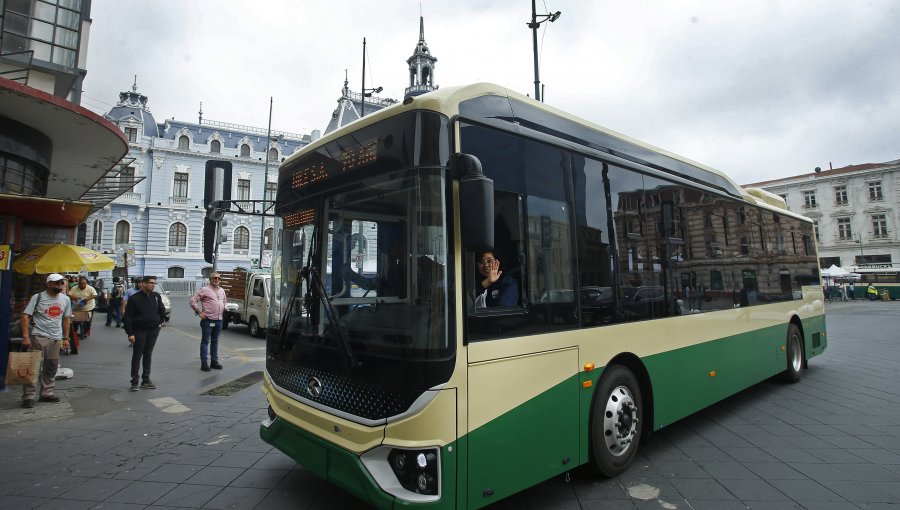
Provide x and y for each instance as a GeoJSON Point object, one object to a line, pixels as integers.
{"type": "Point", "coordinates": [142, 353]}
{"type": "Point", "coordinates": [209, 341]}
{"type": "Point", "coordinates": [114, 311]}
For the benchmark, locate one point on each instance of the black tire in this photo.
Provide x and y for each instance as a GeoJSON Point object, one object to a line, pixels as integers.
{"type": "Point", "coordinates": [254, 328]}
{"type": "Point", "coordinates": [225, 323]}
{"type": "Point", "coordinates": [793, 348]}
{"type": "Point", "coordinates": [616, 421]}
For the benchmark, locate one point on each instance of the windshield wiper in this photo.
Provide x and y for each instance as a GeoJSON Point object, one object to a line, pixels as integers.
{"type": "Point", "coordinates": [315, 284]}
{"type": "Point", "coordinates": [282, 330]}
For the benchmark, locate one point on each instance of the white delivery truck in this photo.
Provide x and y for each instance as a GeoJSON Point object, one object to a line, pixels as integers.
{"type": "Point", "coordinates": [248, 299]}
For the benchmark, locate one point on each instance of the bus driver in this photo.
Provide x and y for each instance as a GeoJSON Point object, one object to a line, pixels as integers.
{"type": "Point", "coordinates": [498, 290]}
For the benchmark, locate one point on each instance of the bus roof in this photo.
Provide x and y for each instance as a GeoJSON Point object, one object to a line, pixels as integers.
{"type": "Point", "coordinates": [447, 100]}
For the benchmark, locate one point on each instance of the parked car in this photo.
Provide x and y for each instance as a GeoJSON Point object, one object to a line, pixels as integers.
{"type": "Point", "coordinates": [102, 288]}
{"type": "Point", "coordinates": [167, 303]}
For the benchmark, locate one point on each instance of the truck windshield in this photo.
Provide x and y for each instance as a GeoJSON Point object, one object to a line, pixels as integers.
{"type": "Point", "coordinates": [379, 248]}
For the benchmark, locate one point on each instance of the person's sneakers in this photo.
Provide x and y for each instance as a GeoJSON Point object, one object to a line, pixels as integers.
{"type": "Point", "coordinates": [134, 387]}
{"type": "Point", "coordinates": [147, 385]}
{"type": "Point", "coordinates": [49, 398]}
{"type": "Point", "coordinates": [108, 324]}
{"type": "Point", "coordinates": [204, 367]}
{"type": "Point", "coordinates": [28, 403]}
{"type": "Point", "coordinates": [216, 365]}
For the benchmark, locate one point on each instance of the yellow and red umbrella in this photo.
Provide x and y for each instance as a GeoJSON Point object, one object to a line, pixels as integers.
{"type": "Point", "coordinates": [62, 258]}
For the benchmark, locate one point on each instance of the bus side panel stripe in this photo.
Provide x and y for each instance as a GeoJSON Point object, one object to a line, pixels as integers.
{"type": "Point", "coordinates": [690, 379]}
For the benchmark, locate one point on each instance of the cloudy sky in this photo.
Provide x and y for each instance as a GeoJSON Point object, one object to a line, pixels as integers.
{"type": "Point", "coordinates": [757, 88]}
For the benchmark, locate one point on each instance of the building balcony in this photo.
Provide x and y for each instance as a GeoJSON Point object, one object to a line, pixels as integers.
{"type": "Point", "coordinates": [131, 196]}
{"type": "Point", "coordinates": [179, 200]}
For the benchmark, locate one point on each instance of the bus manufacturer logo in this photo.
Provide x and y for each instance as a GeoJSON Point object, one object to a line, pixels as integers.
{"type": "Point", "coordinates": [314, 387]}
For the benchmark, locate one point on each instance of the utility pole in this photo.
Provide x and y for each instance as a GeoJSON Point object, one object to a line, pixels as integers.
{"type": "Point", "coordinates": [533, 25]}
{"type": "Point", "coordinates": [262, 220]}
{"type": "Point", "coordinates": [362, 107]}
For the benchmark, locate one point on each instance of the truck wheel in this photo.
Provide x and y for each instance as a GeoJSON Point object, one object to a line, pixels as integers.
{"type": "Point", "coordinates": [255, 330]}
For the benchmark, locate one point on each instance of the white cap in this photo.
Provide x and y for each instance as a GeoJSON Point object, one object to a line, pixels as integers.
{"type": "Point", "coordinates": [55, 277]}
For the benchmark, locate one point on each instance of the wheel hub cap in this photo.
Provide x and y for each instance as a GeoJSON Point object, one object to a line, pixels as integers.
{"type": "Point", "coordinates": [620, 421]}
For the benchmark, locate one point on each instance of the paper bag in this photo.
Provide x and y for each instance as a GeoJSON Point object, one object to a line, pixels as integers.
{"type": "Point", "coordinates": [23, 368]}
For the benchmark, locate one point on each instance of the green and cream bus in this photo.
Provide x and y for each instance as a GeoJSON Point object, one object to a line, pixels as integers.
{"type": "Point", "coordinates": [644, 287]}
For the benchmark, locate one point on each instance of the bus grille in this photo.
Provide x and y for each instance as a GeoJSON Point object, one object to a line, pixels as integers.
{"type": "Point", "coordinates": [342, 393]}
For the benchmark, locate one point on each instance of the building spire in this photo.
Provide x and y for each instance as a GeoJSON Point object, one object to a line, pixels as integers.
{"type": "Point", "coordinates": [421, 65]}
{"type": "Point", "coordinates": [200, 119]}
{"type": "Point", "coordinates": [134, 87]}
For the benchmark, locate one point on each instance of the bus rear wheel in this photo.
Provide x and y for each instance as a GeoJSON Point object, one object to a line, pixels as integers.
{"type": "Point", "coordinates": [794, 351]}
{"type": "Point", "coordinates": [616, 421]}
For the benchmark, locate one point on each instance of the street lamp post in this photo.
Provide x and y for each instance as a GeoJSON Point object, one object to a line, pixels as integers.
{"type": "Point", "coordinates": [533, 25]}
{"type": "Point", "coordinates": [365, 92]}
{"type": "Point", "coordinates": [859, 242]}
{"type": "Point", "coordinates": [262, 220]}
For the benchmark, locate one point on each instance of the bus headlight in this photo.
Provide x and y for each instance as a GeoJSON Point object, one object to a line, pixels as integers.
{"type": "Point", "coordinates": [419, 476]}
{"type": "Point", "coordinates": [409, 474]}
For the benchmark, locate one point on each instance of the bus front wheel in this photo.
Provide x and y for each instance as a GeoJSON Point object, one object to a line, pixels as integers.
{"type": "Point", "coordinates": [794, 351]}
{"type": "Point", "coordinates": [616, 421]}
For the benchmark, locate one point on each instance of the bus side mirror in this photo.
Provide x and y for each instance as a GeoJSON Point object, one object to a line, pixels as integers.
{"type": "Point", "coordinates": [476, 203]}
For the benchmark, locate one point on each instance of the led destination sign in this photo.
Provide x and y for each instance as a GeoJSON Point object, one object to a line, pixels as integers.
{"type": "Point", "coordinates": [322, 167]}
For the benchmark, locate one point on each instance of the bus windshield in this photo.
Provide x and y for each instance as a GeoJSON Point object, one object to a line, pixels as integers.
{"type": "Point", "coordinates": [378, 249]}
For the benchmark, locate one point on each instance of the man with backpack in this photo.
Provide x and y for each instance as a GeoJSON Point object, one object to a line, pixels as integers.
{"type": "Point", "coordinates": [114, 305]}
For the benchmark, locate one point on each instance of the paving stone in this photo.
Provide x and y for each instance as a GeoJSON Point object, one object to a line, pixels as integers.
{"type": "Point", "coordinates": [213, 475]}
{"type": "Point", "coordinates": [238, 498]}
{"type": "Point", "coordinates": [260, 478]}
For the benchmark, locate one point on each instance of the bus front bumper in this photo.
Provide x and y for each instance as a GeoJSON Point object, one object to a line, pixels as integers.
{"type": "Point", "coordinates": [328, 461]}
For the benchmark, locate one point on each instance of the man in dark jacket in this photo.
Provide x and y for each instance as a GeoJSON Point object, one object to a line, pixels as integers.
{"type": "Point", "coordinates": [144, 315]}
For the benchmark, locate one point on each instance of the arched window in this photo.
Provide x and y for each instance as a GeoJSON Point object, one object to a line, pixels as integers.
{"type": "Point", "coordinates": [273, 154]}
{"type": "Point", "coordinates": [81, 234]}
{"type": "Point", "coordinates": [184, 143]}
{"type": "Point", "coordinates": [178, 235]}
{"type": "Point", "coordinates": [242, 238]}
{"type": "Point", "coordinates": [97, 235]}
{"type": "Point", "coordinates": [176, 272]}
{"type": "Point", "coordinates": [215, 147]}
{"type": "Point", "coordinates": [123, 232]}
{"type": "Point", "coordinates": [245, 151]}
{"type": "Point", "coordinates": [268, 239]}
{"type": "Point", "coordinates": [206, 271]}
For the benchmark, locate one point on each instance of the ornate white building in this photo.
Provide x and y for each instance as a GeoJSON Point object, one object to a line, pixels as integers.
{"type": "Point", "coordinates": [160, 211]}
{"type": "Point", "coordinates": [855, 209]}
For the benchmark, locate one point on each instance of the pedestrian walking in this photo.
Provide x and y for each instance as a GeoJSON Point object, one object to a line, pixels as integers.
{"type": "Point", "coordinates": [49, 314]}
{"type": "Point", "coordinates": [209, 304]}
{"type": "Point", "coordinates": [852, 291]}
{"type": "Point", "coordinates": [114, 306]}
{"type": "Point", "coordinates": [844, 292]}
{"type": "Point", "coordinates": [84, 299]}
{"type": "Point", "coordinates": [144, 316]}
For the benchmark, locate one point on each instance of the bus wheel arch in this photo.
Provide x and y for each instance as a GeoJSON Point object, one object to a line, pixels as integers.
{"type": "Point", "coordinates": [795, 352]}
{"type": "Point", "coordinates": [620, 415]}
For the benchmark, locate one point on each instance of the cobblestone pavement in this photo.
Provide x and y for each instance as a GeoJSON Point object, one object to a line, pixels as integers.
{"type": "Point", "coordinates": [831, 441]}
